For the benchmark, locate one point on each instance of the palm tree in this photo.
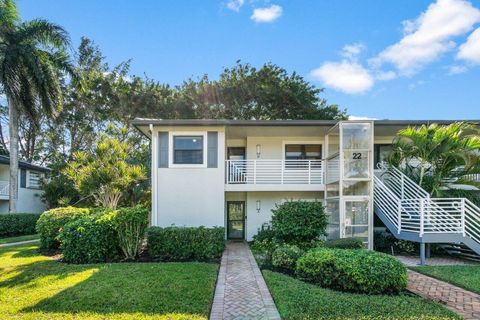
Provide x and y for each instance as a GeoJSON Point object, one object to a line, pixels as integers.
{"type": "Point", "coordinates": [32, 56]}
{"type": "Point", "coordinates": [437, 156]}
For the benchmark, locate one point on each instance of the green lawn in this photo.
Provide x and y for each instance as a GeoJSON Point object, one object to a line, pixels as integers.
{"type": "Point", "coordinates": [467, 277]}
{"type": "Point", "coordinates": [19, 238]}
{"type": "Point", "coordinates": [33, 286]}
{"type": "Point", "coordinates": [299, 300]}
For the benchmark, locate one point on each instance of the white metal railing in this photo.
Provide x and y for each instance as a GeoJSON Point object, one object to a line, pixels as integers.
{"type": "Point", "coordinates": [4, 188]}
{"type": "Point", "coordinates": [274, 171]}
{"type": "Point", "coordinates": [409, 207]}
{"type": "Point", "coordinates": [473, 177]}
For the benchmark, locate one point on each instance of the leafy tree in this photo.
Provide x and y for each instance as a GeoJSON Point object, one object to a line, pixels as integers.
{"type": "Point", "coordinates": [437, 156]}
{"type": "Point", "coordinates": [31, 56]}
{"type": "Point", "coordinates": [104, 173]}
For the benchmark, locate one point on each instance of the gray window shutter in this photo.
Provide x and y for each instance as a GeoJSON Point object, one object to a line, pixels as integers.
{"type": "Point", "coordinates": [163, 149]}
{"type": "Point", "coordinates": [212, 146]}
{"type": "Point", "coordinates": [23, 178]}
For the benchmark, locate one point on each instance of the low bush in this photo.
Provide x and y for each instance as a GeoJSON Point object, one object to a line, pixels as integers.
{"type": "Point", "coordinates": [52, 221]}
{"type": "Point", "coordinates": [353, 270]}
{"type": "Point", "coordinates": [285, 257]}
{"type": "Point", "coordinates": [130, 224]}
{"type": "Point", "coordinates": [296, 222]}
{"type": "Point", "coordinates": [186, 243]}
{"type": "Point", "coordinates": [17, 224]}
{"type": "Point", "coordinates": [89, 239]}
{"type": "Point", "coordinates": [345, 243]}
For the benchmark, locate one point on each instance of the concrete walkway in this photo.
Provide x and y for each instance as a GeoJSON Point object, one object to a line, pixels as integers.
{"type": "Point", "coordinates": [463, 302]}
{"type": "Point", "coordinates": [17, 243]}
{"type": "Point", "coordinates": [241, 292]}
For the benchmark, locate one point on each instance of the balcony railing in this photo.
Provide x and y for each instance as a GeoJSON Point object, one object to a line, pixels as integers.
{"type": "Point", "coordinates": [274, 171]}
{"type": "Point", "coordinates": [4, 188]}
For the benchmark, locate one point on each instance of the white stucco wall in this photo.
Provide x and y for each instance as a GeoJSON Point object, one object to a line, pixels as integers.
{"type": "Point", "coordinates": [272, 147]}
{"type": "Point", "coordinates": [29, 200]}
{"type": "Point", "coordinates": [191, 196]}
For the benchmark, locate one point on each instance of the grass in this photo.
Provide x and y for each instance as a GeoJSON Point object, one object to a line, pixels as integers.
{"type": "Point", "coordinates": [299, 300]}
{"type": "Point", "coordinates": [467, 277]}
{"type": "Point", "coordinates": [19, 238]}
{"type": "Point", "coordinates": [33, 286]}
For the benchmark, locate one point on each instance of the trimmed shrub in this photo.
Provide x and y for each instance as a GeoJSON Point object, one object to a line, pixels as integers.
{"type": "Point", "coordinates": [185, 244]}
{"type": "Point", "coordinates": [130, 224]}
{"type": "Point", "coordinates": [89, 239]}
{"type": "Point", "coordinates": [296, 222]}
{"type": "Point", "coordinates": [345, 243]}
{"type": "Point", "coordinates": [353, 270]}
{"type": "Point", "coordinates": [17, 224]}
{"type": "Point", "coordinates": [285, 257]}
{"type": "Point", "coordinates": [52, 221]}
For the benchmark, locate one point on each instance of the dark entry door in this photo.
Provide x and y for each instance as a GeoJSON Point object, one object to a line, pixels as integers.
{"type": "Point", "coordinates": [236, 220]}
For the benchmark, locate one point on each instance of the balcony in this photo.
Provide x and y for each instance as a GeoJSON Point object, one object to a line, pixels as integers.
{"type": "Point", "coordinates": [274, 175]}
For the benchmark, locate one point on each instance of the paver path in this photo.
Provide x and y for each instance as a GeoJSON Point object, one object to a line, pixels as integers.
{"type": "Point", "coordinates": [17, 243]}
{"type": "Point", "coordinates": [463, 302]}
{"type": "Point", "coordinates": [241, 291]}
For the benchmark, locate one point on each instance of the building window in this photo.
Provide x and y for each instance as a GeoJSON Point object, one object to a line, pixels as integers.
{"type": "Point", "coordinates": [303, 152]}
{"type": "Point", "coordinates": [381, 153]}
{"type": "Point", "coordinates": [188, 149]}
{"type": "Point", "coordinates": [33, 181]}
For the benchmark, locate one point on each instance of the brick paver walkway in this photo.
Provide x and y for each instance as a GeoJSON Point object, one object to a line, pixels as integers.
{"type": "Point", "coordinates": [463, 302]}
{"type": "Point", "coordinates": [241, 292]}
{"type": "Point", "coordinates": [412, 261]}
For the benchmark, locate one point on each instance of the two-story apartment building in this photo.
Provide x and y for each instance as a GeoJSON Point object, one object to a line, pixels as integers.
{"type": "Point", "coordinates": [232, 173]}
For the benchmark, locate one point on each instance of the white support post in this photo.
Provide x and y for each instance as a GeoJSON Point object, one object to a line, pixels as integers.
{"type": "Point", "coordinates": [309, 171]}
{"type": "Point", "coordinates": [463, 217]}
{"type": "Point", "coordinates": [422, 213]}
{"type": "Point", "coordinates": [399, 217]}
{"type": "Point", "coordinates": [282, 171]}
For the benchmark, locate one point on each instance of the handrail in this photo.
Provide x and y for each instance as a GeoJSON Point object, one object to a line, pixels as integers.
{"type": "Point", "coordinates": [275, 171]}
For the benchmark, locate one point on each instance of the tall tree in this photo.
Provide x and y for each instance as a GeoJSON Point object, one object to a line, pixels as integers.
{"type": "Point", "coordinates": [31, 56]}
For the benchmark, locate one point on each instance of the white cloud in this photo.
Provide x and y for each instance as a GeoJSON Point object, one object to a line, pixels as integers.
{"type": "Point", "coordinates": [351, 51]}
{"type": "Point", "coordinates": [470, 50]}
{"type": "Point", "coordinates": [346, 76]}
{"type": "Point", "coordinates": [457, 69]}
{"type": "Point", "coordinates": [235, 5]}
{"type": "Point", "coordinates": [269, 14]}
{"type": "Point", "coordinates": [430, 35]}
{"type": "Point", "coordinates": [416, 84]}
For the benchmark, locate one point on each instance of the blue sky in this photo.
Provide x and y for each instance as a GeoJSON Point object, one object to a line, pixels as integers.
{"type": "Point", "coordinates": [404, 59]}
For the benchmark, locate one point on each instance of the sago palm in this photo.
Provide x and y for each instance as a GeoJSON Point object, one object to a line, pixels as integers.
{"type": "Point", "coordinates": [32, 56]}
{"type": "Point", "coordinates": [437, 155]}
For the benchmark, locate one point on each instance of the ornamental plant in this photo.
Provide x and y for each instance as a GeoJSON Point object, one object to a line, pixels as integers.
{"type": "Point", "coordinates": [297, 222]}
{"type": "Point", "coordinates": [105, 173]}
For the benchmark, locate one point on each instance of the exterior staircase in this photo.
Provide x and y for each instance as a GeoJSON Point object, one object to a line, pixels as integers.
{"type": "Point", "coordinates": [410, 213]}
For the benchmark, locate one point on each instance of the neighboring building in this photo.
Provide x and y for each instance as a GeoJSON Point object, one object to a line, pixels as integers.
{"type": "Point", "coordinates": [29, 189]}
{"type": "Point", "coordinates": [232, 173]}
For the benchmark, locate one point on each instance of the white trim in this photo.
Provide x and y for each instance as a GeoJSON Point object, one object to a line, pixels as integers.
{"type": "Point", "coordinates": [172, 134]}
{"type": "Point", "coordinates": [155, 152]}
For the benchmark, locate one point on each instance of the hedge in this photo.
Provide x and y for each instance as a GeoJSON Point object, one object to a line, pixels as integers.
{"type": "Point", "coordinates": [361, 270]}
{"type": "Point", "coordinates": [344, 243]}
{"type": "Point", "coordinates": [52, 221]}
{"type": "Point", "coordinates": [89, 239]}
{"type": "Point", "coordinates": [17, 224]}
{"type": "Point", "coordinates": [185, 243]}
{"type": "Point", "coordinates": [285, 257]}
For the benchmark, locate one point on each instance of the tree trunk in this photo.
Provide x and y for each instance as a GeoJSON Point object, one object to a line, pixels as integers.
{"type": "Point", "coordinates": [13, 140]}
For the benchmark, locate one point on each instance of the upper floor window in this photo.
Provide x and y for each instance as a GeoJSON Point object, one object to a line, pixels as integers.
{"type": "Point", "coordinates": [33, 180]}
{"type": "Point", "coordinates": [188, 150]}
{"type": "Point", "coordinates": [303, 151]}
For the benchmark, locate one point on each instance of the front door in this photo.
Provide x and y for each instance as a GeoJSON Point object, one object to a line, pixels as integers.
{"type": "Point", "coordinates": [236, 220]}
